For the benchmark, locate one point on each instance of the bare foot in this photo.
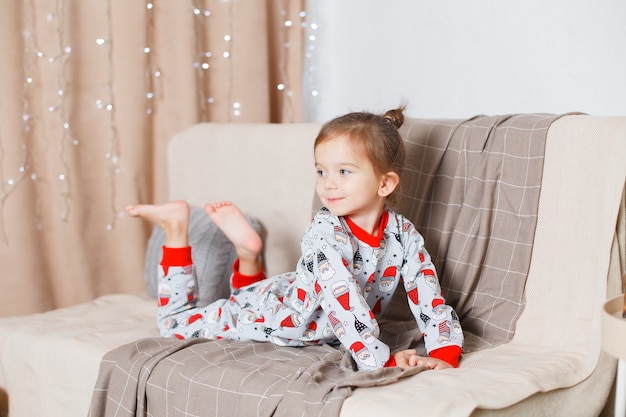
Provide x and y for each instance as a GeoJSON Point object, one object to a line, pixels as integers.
{"type": "Point", "coordinates": [172, 217]}
{"type": "Point", "coordinates": [232, 222]}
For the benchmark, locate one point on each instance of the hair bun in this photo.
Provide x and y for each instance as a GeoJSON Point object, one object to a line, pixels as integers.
{"type": "Point", "coordinates": [395, 117]}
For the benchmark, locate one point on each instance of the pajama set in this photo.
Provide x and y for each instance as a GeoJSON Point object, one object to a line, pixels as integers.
{"type": "Point", "coordinates": [343, 282]}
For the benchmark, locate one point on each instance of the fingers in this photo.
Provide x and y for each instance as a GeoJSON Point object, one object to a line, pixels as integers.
{"type": "Point", "coordinates": [432, 363]}
{"type": "Point", "coordinates": [409, 359]}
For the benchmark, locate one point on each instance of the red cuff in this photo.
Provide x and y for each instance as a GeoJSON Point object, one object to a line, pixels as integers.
{"type": "Point", "coordinates": [239, 280]}
{"type": "Point", "coordinates": [449, 354]}
{"type": "Point", "coordinates": [175, 257]}
{"type": "Point", "coordinates": [390, 362]}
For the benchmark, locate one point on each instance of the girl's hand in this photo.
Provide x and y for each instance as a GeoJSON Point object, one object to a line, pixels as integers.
{"type": "Point", "coordinates": [406, 359]}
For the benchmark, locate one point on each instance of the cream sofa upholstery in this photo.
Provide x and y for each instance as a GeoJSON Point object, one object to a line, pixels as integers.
{"type": "Point", "coordinates": [49, 362]}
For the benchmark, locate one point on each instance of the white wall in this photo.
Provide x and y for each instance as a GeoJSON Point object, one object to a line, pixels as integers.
{"type": "Point", "coordinates": [459, 58]}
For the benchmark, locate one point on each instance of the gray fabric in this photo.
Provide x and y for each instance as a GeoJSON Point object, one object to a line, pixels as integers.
{"type": "Point", "coordinates": [212, 252]}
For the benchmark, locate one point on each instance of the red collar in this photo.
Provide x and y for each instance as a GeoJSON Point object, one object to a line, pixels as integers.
{"type": "Point", "coordinates": [363, 236]}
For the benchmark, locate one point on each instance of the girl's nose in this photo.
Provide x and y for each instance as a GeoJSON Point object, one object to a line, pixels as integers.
{"type": "Point", "coordinates": [330, 183]}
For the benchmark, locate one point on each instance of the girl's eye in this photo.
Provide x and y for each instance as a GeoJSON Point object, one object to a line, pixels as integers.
{"type": "Point", "coordinates": [320, 173]}
{"type": "Point", "coordinates": [344, 171]}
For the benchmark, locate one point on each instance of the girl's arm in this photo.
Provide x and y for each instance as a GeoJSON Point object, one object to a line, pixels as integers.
{"type": "Point", "coordinates": [438, 322]}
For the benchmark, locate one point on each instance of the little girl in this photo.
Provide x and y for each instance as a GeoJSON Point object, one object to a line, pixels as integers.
{"type": "Point", "coordinates": [354, 254]}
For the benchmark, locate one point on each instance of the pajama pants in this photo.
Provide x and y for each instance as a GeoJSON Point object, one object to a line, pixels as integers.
{"type": "Point", "coordinates": [254, 310]}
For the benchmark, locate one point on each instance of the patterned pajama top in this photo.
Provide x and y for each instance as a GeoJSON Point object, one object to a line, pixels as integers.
{"type": "Point", "coordinates": [343, 281]}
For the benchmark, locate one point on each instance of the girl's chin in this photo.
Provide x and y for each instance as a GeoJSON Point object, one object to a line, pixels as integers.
{"type": "Point", "coordinates": [338, 213]}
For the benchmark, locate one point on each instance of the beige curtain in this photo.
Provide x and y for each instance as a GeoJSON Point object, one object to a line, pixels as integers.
{"type": "Point", "coordinates": [90, 93]}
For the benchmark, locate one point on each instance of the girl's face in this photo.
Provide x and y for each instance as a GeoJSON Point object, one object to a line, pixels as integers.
{"type": "Point", "coordinates": [348, 185]}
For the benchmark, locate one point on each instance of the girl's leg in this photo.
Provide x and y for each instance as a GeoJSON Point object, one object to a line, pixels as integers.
{"type": "Point", "coordinates": [247, 242]}
{"type": "Point", "coordinates": [177, 287]}
{"type": "Point", "coordinates": [172, 217]}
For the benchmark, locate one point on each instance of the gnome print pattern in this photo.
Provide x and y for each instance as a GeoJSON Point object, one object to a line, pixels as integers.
{"type": "Point", "coordinates": [344, 280]}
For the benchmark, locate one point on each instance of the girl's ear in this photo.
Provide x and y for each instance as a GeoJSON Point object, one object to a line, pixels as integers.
{"type": "Point", "coordinates": [388, 183]}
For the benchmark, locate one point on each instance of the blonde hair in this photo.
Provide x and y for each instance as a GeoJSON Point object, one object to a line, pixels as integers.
{"type": "Point", "coordinates": [373, 135]}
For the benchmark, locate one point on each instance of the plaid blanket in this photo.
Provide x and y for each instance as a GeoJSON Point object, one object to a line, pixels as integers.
{"type": "Point", "coordinates": [472, 189]}
{"type": "Point", "coordinates": [195, 377]}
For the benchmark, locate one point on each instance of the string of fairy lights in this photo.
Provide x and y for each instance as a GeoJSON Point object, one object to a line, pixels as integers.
{"type": "Point", "coordinates": [203, 54]}
{"type": "Point", "coordinates": [153, 74]}
{"type": "Point", "coordinates": [309, 74]}
{"type": "Point", "coordinates": [9, 185]}
{"type": "Point", "coordinates": [57, 57]}
{"type": "Point", "coordinates": [63, 52]}
{"type": "Point", "coordinates": [283, 85]}
{"type": "Point", "coordinates": [112, 154]}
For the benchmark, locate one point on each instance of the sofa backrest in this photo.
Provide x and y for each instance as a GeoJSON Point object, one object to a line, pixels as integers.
{"type": "Point", "coordinates": [586, 156]}
{"type": "Point", "coordinates": [476, 189]}
{"type": "Point", "coordinates": [266, 169]}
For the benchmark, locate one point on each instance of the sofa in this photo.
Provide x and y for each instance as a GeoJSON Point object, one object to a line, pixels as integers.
{"type": "Point", "coordinates": [523, 214]}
